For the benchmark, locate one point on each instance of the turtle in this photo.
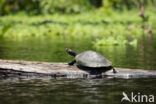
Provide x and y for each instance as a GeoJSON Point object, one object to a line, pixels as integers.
{"type": "Point", "coordinates": [90, 59]}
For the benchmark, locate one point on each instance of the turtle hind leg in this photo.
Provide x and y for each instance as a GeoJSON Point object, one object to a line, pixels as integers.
{"type": "Point", "coordinates": [72, 62]}
{"type": "Point", "coordinates": [114, 71]}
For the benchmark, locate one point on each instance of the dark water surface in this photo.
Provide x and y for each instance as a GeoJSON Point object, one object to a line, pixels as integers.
{"type": "Point", "coordinates": [77, 91]}
{"type": "Point", "coordinates": [74, 91]}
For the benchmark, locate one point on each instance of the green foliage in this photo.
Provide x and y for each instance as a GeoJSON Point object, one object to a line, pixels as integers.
{"type": "Point", "coordinates": [102, 29]}
{"type": "Point", "coordinates": [64, 6]}
{"type": "Point", "coordinates": [4, 7]}
{"type": "Point", "coordinates": [68, 6]}
{"type": "Point", "coordinates": [44, 6]}
{"type": "Point", "coordinates": [129, 4]}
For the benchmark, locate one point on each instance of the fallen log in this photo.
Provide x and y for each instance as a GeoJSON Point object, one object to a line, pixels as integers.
{"type": "Point", "coordinates": [28, 69]}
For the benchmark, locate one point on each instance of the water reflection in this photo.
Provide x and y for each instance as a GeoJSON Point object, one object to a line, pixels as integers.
{"type": "Point", "coordinates": [69, 91]}
{"type": "Point", "coordinates": [52, 50]}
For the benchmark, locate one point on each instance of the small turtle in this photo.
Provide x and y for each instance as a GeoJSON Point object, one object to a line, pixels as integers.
{"type": "Point", "coordinates": [90, 59]}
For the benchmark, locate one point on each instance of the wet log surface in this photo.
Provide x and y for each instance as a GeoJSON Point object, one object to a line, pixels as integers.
{"type": "Point", "coordinates": [28, 69]}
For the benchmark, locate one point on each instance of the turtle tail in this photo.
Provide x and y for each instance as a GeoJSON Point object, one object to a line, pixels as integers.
{"type": "Point", "coordinates": [72, 53]}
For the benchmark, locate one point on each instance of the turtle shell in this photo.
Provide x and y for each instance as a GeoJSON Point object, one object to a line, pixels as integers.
{"type": "Point", "coordinates": [92, 59]}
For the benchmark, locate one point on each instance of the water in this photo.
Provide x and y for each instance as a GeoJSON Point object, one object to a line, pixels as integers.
{"type": "Point", "coordinates": [140, 56]}
{"type": "Point", "coordinates": [77, 91]}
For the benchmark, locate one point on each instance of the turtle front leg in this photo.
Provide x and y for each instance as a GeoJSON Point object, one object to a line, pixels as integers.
{"type": "Point", "coordinates": [72, 62]}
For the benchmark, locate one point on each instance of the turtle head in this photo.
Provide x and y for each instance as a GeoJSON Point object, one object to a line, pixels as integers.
{"type": "Point", "coordinates": [72, 53]}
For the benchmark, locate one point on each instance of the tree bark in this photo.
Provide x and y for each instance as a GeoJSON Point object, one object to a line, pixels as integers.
{"type": "Point", "coordinates": [28, 69]}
